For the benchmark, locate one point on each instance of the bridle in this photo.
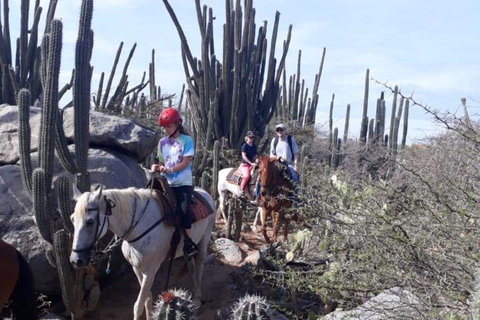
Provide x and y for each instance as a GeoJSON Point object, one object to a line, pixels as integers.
{"type": "Point", "coordinates": [110, 204]}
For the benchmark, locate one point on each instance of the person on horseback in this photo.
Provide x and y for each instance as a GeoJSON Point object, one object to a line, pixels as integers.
{"type": "Point", "coordinates": [249, 155]}
{"type": "Point", "coordinates": [175, 152]}
{"type": "Point", "coordinates": [284, 147]}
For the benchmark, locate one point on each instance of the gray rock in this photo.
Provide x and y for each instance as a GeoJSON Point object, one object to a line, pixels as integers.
{"type": "Point", "coordinates": [229, 250]}
{"type": "Point", "coordinates": [116, 133]}
{"type": "Point", "coordinates": [394, 303]}
{"type": "Point", "coordinates": [16, 212]}
{"type": "Point", "coordinates": [253, 258]}
{"type": "Point", "coordinates": [9, 151]}
{"type": "Point", "coordinates": [106, 131]}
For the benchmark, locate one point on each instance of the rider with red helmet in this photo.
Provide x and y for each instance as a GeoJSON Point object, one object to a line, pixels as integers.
{"type": "Point", "coordinates": [175, 152]}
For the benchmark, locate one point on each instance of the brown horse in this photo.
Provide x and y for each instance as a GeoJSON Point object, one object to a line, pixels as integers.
{"type": "Point", "coordinates": [16, 284]}
{"type": "Point", "coordinates": [275, 187]}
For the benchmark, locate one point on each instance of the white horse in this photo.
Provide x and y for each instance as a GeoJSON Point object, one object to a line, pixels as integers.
{"type": "Point", "coordinates": [224, 188]}
{"type": "Point", "coordinates": [118, 210]}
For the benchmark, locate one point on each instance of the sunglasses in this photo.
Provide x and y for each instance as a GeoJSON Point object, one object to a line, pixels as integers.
{"type": "Point", "coordinates": [280, 130]}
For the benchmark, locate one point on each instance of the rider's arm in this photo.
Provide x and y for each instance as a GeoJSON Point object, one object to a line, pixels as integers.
{"type": "Point", "coordinates": [179, 167]}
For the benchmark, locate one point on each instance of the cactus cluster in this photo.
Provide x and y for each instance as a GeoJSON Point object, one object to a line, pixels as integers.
{"type": "Point", "coordinates": [24, 72]}
{"type": "Point", "coordinates": [238, 93]}
{"type": "Point", "coordinates": [372, 131]}
{"type": "Point", "coordinates": [39, 182]}
{"type": "Point", "coordinates": [175, 304]}
{"type": "Point", "coordinates": [294, 103]}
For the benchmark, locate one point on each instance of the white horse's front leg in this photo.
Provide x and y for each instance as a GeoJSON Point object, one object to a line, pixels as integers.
{"type": "Point", "coordinates": [258, 215]}
{"type": "Point", "coordinates": [144, 299]}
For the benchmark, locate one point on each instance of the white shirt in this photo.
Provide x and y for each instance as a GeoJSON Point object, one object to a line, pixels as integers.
{"type": "Point", "coordinates": [283, 149]}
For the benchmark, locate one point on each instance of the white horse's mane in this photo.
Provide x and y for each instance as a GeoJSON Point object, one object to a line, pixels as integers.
{"type": "Point", "coordinates": [121, 197]}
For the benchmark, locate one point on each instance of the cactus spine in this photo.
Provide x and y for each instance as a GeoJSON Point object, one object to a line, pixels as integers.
{"type": "Point", "coordinates": [251, 307]}
{"type": "Point", "coordinates": [176, 304]}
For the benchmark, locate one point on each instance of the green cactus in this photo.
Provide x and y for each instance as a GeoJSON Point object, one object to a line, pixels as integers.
{"type": "Point", "coordinates": [61, 146]}
{"type": "Point", "coordinates": [347, 122]}
{"type": "Point", "coordinates": [81, 93]}
{"type": "Point", "coordinates": [40, 207]}
{"type": "Point", "coordinates": [50, 255]}
{"type": "Point", "coordinates": [61, 248]}
{"type": "Point", "coordinates": [24, 137]}
{"type": "Point", "coordinates": [251, 307]}
{"type": "Point", "coordinates": [364, 125]}
{"type": "Point", "coordinates": [92, 297]}
{"type": "Point", "coordinates": [50, 100]}
{"type": "Point", "coordinates": [330, 125]}
{"type": "Point", "coordinates": [88, 281]}
{"type": "Point", "coordinates": [175, 304]}
{"type": "Point", "coordinates": [392, 119]}
{"type": "Point", "coordinates": [64, 202]}
{"type": "Point", "coordinates": [8, 95]}
{"type": "Point", "coordinates": [216, 167]}
{"type": "Point", "coordinates": [405, 123]}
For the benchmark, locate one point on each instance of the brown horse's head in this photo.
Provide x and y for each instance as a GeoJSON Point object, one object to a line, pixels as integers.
{"type": "Point", "coordinates": [274, 176]}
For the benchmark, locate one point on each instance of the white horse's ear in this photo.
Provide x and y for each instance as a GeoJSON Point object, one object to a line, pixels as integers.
{"type": "Point", "coordinates": [76, 192]}
{"type": "Point", "coordinates": [98, 192]}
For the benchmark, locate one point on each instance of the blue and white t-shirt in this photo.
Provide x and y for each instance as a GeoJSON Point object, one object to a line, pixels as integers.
{"type": "Point", "coordinates": [171, 153]}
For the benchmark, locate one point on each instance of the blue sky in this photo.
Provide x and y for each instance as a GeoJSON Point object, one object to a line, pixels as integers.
{"type": "Point", "coordinates": [429, 48]}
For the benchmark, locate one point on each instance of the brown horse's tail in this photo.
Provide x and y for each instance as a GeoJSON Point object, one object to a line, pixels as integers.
{"type": "Point", "coordinates": [23, 300]}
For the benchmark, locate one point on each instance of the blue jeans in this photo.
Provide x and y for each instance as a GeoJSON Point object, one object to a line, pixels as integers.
{"type": "Point", "coordinates": [293, 174]}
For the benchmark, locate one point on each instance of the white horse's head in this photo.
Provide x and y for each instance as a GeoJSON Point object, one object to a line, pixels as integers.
{"type": "Point", "coordinates": [91, 222]}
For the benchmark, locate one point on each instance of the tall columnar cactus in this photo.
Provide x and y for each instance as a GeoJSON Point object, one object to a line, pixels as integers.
{"type": "Point", "coordinates": [251, 307]}
{"type": "Point", "coordinates": [330, 125]}
{"type": "Point", "coordinates": [405, 123]}
{"type": "Point", "coordinates": [215, 168]}
{"type": "Point", "coordinates": [347, 122]}
{"type": "Point", "coordinates": [81, 93]}
{"type": "Point", "coordinates": [24, 137]}
{"type": "Point", "coordinates": [176, 304]}
{"type": "Point", "coordinates": [76, 300]}
{"type": "Point", "coordinates": [364, 125]}
{"type": "Point", "coordinates": [392, 118]}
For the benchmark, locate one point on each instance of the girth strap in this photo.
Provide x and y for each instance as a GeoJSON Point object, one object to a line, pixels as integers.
{"type": "Point", "coordinates": [146, 231]}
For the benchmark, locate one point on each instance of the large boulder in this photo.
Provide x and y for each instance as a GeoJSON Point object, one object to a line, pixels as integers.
{"type": "Point", "coordinates": [394, 303]}
{"type": "Point", "coordinates": [115, 133]}
{"type": "Point", "coordinates": [17, 227]}
{"type": "Point", "coordinates": [9, 151]}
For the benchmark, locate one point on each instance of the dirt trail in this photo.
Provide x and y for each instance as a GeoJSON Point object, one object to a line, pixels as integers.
{"type": "Point", "coordinates": [218, 289]}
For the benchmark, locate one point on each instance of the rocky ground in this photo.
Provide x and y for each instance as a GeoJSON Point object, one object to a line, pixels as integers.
{"type": "Point", "coordinates": [218, 287]}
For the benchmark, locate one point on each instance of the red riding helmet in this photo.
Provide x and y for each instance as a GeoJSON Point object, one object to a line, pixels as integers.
{"type": "Point", "coordinates": [169, 116]}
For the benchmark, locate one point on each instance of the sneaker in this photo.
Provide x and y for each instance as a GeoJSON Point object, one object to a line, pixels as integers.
{"type": "Point", "coordinates": [189, 248]}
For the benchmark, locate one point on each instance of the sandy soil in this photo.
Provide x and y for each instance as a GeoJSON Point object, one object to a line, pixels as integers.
{"type": "Point", "coordinates": [218, 287]}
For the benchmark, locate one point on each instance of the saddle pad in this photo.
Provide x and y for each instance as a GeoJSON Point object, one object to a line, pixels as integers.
{"type": "Point", "coordinates": [168, 214]}
{"type": "Point", "coordinates": [200, 207]}
{"type": "Point", "coordinates": [234, 176]}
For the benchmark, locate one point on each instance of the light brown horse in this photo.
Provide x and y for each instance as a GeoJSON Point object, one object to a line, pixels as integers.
{"type": "Point", "coordinates": [275, 187]}
{"type": "Point", "coordinates": [16, 284]}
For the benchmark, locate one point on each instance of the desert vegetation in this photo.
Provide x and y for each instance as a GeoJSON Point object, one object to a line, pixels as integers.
{"type": "Point", "coordinates": [378, 215]}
